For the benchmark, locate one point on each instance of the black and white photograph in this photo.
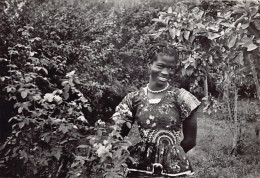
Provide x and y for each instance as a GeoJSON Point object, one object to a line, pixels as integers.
{"type": "Point", "coordinates": [130, 88]}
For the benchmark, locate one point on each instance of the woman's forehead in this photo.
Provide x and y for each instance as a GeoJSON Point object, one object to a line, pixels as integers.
{"type": "Point", "coordinates": [167, 59]}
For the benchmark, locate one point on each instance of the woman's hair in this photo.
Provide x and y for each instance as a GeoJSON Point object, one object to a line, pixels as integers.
{"type": "Point", "coordinates": [161, 49]}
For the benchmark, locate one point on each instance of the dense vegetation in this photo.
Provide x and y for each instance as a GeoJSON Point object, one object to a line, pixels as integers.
{"type": "Point", "coordinates": [65, 65]}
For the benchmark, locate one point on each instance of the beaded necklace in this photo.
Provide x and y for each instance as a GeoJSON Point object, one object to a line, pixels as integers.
{"type": "Point", "coordinates": [159, 91]}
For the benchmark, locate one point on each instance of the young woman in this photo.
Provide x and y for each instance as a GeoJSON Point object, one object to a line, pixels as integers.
{"type": "Point", "coordinates": [163, 113]}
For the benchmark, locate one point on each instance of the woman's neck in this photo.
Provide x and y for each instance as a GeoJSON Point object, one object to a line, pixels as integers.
{"type": "Point", "coordinates": [156, 87]}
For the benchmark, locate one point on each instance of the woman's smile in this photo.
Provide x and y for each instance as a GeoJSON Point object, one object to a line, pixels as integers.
{"type": "Point", "coordinates": [163, 78]}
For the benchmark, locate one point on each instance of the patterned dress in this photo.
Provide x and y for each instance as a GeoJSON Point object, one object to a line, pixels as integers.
{"type": "Point", "coordinates": [160, 126]}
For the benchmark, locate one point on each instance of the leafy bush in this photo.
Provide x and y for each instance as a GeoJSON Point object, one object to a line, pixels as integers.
{"type": "Point", "coordinates": [52, 125]}
{"type": "Point", "coordinates": [65, 65]}
{"type": "Point", "coordinates": [49, 125]}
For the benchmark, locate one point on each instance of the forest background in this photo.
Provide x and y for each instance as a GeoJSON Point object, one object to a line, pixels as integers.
{"type": "Point", "coordinates": [66, 64]}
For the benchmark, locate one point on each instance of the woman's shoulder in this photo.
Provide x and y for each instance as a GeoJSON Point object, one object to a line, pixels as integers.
{"type": "Point", "coordinates": [178, 91]}
{"type": "Point", "coordinates": [183, 96]}
{"type": "Point", "coordinates": [175, 91]}
{"type": "Point", "coordinates": [135, 95]}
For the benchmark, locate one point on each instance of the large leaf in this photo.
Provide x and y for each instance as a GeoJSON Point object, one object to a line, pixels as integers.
{"type": "Point", "coordinates": [21, 125]}
{"type": "Point", "coordinates": [240, 58]}
{"type": "Point", "coordinates": [48, 97]}
{"type": "Point", "coordinates": [186, 35]}
{"type": "Point", "coordinates": [251, 47]}
{"type": "Point", "coordinates": [24, 93]}
{"type": "Point", "coordinates": [159, 20]}
{"type": "Point", "coordinates": [169, 10]}
{"type": "Point", "coordinates": [232, 40]}
{"type": "Point", "coordinates": [178, 32]}
{"type": "Point", "coordinates": [172, 32]}
{"type": "Point", "coordinates": [253, 10]}
{"type": "Point", "coordinates": [212, 36]}
{"type": "Point", "coordinates": [226, 24]}
{"type": "Point", "coordinates": [57, 153]}
{"type": "Point", "coordinates": [257, 24]}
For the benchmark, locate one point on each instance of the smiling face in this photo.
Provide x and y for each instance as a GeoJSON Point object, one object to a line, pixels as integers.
{"type": "Point", "coordinates": [161, 70]}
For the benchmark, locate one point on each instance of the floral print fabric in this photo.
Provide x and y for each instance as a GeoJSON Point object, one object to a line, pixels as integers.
{"type": "Point", "coordinates": [160, 126]}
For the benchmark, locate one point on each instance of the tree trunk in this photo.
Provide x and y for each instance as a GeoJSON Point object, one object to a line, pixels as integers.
{"type": "Point", "coordinates": [236, 124]}
{"type": "Point", "coordinates": [251, 61]}
{"type": "Point", "coordinates": [206, 90]}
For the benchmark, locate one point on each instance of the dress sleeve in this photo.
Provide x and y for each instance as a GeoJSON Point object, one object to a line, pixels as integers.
{"type": "Point", "coordinates": [187, 102]}
{"type": "Point", "coordinates": [124, 115]}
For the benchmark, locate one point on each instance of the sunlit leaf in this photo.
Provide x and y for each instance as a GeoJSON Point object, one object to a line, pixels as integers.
{"type": "Point", "coordinates": [70, 74]}
{"type": "Point", "coordinates": [13, 52]}
{"type": "Point", "coordinates": [212, 36]}
{"type": "Point", "coordinates": [3, 59]}
{"type": "Point", "coordinates": [89, 109]}
{"type": "Point", "coordinates": [159, 20]}
{"type": "Point", "coordinates": [253, 10]}
{"type": "Point", "coordinates": [99, 132]}
{"type": "Point", "coordinates": [24, 93]}
{"type": "Point", "coordinates": [186, 35]}
{"type": "Point", "coordinates": [48, 97]}
{"type": "Point", "coordinates": [82, 118]}
{"type": "Point", "coordinates": [66, 95]}
{"type": "Point", "coordinates": [26, 105]}
{"type": "Point", "coordinates": [83, 146]}
{"type": "Point", "coordinates": [257, 23]}
{"type": "Point", "coordinates": [57, 99]}
{"type": "Point", "coordinates": [169, 10]}
{"type": "Point", "coordinates": [200, 25]}
{"type": "Point", "coordinates": [33, 53]}
{"type": "Point", "coordinates": [66, 87]}
{"type": "Point", "coordinates": [251, 47]}
{"type": "Point", "coordinates": [244, 25]}
{"type": "Point", "coordinates": [57, 153]}
{"type": "Point", "coordinates": [37, 97]}
{"type": "Point", "coordinates": [25, 33]}
{"type": "Point", "coordinates": [74, 164]}
{"type": "Point", "coordinates": [21, 125]}
{"type": "Point", "coordinates": [20, 109]}
{"type": "Point", "coordinates": [232, 41]}
{"type": "Point", "coordinates": [178, 32]}
{"type": "Point", "coordinates": [47, 138]}
{"type": "Point", "coordinates": [129, 125]}
{"type": "Point", "coordinates": [77, 81]}
{"type": "Point", "coordinates": [64, 129]}
{"type": "Point", "coordinates": [20, 30]}
{"type": "Point", "coordinates": [240, 58]}
{"type": "Point", "coordinates": [172, 32]}
{"type": "Point", "coordinates": [227, 24]}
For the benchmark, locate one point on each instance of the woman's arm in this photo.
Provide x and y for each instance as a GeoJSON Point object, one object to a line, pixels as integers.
{"type": "Point", "coordinates": [190, 131]}
{"type": "Point", "coordinates": [124, 115]}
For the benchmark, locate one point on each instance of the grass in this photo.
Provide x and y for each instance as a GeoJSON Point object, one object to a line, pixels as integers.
{"type": "Point", "coordinates": [211, 157]}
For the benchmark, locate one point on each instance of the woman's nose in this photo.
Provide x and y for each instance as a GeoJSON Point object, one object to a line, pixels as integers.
{"type": "Point", "coordinates": [165, 71]}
